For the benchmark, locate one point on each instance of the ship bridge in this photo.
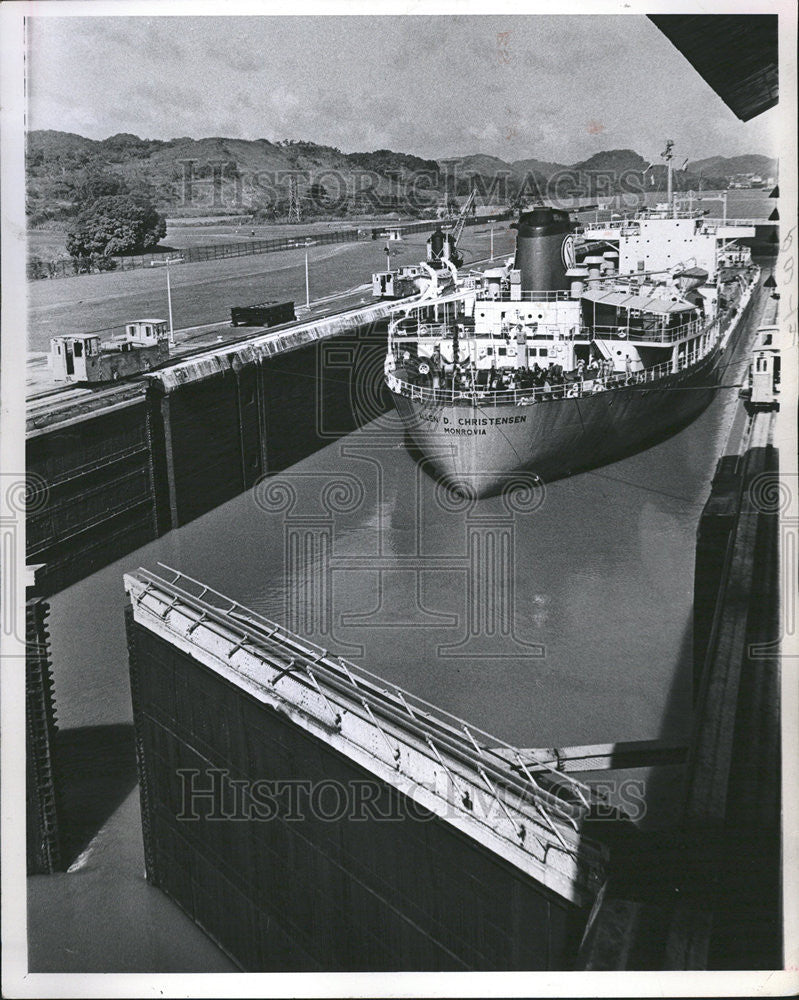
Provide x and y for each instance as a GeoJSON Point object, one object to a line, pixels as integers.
{"type": "Point", "coordinates": [660, 245]}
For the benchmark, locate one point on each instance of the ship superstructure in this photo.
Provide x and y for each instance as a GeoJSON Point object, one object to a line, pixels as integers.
{"type": "Point", "coordinates": [572, 352]}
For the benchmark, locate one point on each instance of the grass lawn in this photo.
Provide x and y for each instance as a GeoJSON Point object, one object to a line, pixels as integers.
{"type": "Point", "coordinates": [49, 244]}
{"type": "Point", "coordinates": [204, 292]}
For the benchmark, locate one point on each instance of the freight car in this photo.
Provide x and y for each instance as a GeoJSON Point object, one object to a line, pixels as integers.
{"type": "Point", "coordinates": [263, 314]}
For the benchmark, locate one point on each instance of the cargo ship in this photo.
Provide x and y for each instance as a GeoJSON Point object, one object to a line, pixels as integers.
{"type": "Point", "coordinates": [588, 344]}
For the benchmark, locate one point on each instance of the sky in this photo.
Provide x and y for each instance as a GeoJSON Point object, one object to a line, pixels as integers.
{"type": "Point", "coordinates": [551, 87]}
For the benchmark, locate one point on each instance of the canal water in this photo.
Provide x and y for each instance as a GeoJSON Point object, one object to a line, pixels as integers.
{"type": "Point", "coordinates": [595, 649]}
{"type": "Point", "coordinates": [590, 646]}
{"type": "Point", "coordinates": [356, 546]}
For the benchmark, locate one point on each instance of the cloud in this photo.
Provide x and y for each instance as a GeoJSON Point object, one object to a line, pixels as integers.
{"type": "Point", "coordinates": [432, 86]}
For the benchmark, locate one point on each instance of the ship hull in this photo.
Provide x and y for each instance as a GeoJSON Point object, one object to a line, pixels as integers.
{"type": "Point", "coordinates": [481, 450]}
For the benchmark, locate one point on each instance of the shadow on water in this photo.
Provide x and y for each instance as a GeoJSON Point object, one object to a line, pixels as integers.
{"type": "Point", "coordinates": [97, 771]}
{"type": "Point", "coordinates": [724, 870]}
{"type": "Point", "coordinates": [649, 868]}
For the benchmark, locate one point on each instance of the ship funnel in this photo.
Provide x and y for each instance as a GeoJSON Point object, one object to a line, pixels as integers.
{"type": "Point", "coordinates": [544, 248]}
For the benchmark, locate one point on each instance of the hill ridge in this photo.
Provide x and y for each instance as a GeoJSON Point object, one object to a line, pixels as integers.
{"type": "Point", "coordinates": [185, 176]}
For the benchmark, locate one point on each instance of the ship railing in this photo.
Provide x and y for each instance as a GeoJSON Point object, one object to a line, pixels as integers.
{"type": "Point", "coordinates": [411, 333]}
{"type": "Point", "coordinates": [421, 330]}
{"type": "Point", "coordinates": [587, 227]}
{"type": "Point", "coordinates": [632, 221]}
{"type": "Point", "coordinates": [554, 295]}
{"type": "Point", "coordinates": [435, 332]}
{"type": "Point", "coordinates": [708, 222]}
{"type": "Point", "coordinates": [668, 335]}
{"type": "Point", "coordinates": [587, 385]}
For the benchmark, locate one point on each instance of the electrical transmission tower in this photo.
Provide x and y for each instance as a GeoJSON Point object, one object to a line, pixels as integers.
{"type": "Point", "coordinates": [295, 209]}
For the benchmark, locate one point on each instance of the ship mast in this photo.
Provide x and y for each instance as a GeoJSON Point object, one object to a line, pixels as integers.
{"type": "Point", "coordinates": [668, 156]}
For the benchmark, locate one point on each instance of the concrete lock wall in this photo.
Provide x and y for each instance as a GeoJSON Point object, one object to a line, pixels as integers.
{"type": "Point", "coordinates": [224, 430]}
{"type": "Point", "coordinates": [200, 424]}
{"type": "Point", "coordinates": [335, 386]}
{"type": "Point", "coordinates": [91, 493]}
{"type": "Point", "coordinates": [110, 480]}
{"type": "Point", "coordinates": [398, 889]}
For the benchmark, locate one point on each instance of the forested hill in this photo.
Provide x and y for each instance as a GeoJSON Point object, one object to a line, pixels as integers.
{"type": "Point", "coordinates": [191, 177]}
{"type": "Point", "coordinates": [732, 166]}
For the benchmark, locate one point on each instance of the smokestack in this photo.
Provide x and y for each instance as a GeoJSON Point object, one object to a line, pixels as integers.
{"type": "Point", "coordinates": [544, 249]}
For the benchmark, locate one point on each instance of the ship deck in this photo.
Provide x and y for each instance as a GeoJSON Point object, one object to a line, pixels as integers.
{"type": "Point", "coordinates": [404, 383]}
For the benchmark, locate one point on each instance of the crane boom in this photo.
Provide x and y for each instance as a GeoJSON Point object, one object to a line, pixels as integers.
{"type": "Point", "coordinates": [456, 232]}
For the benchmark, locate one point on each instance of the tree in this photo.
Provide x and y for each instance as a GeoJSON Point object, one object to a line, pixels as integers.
{"type": "Point", "coordinates": [114, 225]}
{"type": "Point", "coordinates": [99, 183]}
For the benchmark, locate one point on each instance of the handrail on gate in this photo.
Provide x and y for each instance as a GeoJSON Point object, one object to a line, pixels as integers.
{"type": "Point", "coordinates": [246, 623]}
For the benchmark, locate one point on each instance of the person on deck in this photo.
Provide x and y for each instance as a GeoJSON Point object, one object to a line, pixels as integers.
{"type": "Point", "coordinates": [435, 368]}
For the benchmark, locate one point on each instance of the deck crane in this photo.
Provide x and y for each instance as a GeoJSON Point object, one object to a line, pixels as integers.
{"type": "Point", "coordinates": [461, 222]}
{"type": "Point", "coordinates": [444, 246]}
